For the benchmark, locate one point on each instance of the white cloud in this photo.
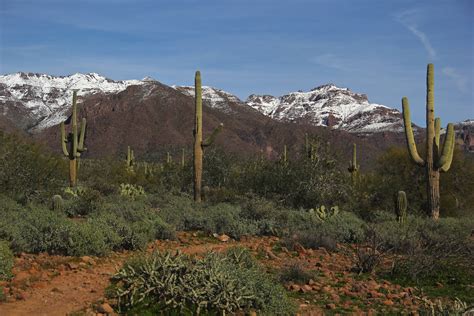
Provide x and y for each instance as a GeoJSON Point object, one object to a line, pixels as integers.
{"type": "Point", "coordinates": [459, 80]}
{"type": "Point", "coordinates": [330, 60]}
{"type": "Point", "coordinates": [407, 19]}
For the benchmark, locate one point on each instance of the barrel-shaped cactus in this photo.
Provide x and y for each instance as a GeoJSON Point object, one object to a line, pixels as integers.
{"type": "Point", "coordinates": [75, 139]}
{"type": "Point", "coordinates": [436, 160]}
{"type": "Point", "coordinates": [199, 144]}
{"type": "Point", "coordinates": [57, 203]}
{"type": "Point", "coordinates": [401, 206]}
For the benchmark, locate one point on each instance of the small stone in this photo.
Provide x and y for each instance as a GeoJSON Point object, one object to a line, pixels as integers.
{"type": "Point", "coordinates": [306, 288]}
{"type": "Point", "coordinates": [87, 259]}
{"type": "Point", "coordinates": [388, 303]}
{"type": "Point", "coordinates": [335, 298]}
{"type": "Point", "coordinates": [105, 308]}
{"type": "Point", "coordinates": [294, 287]}
{"type": "Point", "coordinates": [72, 265]}
{"type": "Point", "coordinates": [331, 306]}
{"type": "Point", "coordinates": [223, 238]}
{"type": "Point", "coordinates": [311, 282]}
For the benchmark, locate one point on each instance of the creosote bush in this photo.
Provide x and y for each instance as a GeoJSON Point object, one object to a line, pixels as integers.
{"type": "Point", "coordinates": [6, 260]}
{"type": "Point", "coordinates": [216, 284]}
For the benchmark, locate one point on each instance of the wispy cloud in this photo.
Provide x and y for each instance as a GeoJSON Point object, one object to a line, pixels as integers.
{"type": "Point", "coordinates": [459, 80]}
{"type": "Point", "coordinates": [331, 61]}
{"type": "Point", "coordinates": [408, 19]}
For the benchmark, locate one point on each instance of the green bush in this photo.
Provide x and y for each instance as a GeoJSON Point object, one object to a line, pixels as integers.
{"type": "Point", "coordinates": [37, 229]}
{"type": "Point", "coordinates": [28, 172]}
{"type": "Point", "coordinates": [216, 284]}
{"type": "Point", "coordinates": [6, 260]}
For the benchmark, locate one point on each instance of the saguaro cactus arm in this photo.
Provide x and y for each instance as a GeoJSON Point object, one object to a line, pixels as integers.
{"type": "Point", "coordinates": [82, 135]}
{"type": "Point", "coordinates": [444, 162]}
{"type": "Point", "coordinates": [409, 133]}
{"type": "Point", "coordinates": [64, 140]}
{"type": "Point", "coordinates": [211, 138]}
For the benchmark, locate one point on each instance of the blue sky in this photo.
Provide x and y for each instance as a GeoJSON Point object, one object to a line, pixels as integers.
{"type": "Point", "coordinates": [376, 47]}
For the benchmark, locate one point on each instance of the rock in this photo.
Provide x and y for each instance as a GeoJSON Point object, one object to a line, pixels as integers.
{"type": "Point", "coordinates": [294, 287]}
{"type": "Point", "coordinates": [20, 277]}
{"type": "Point", "coordinates": [72, 265]}
{"type": "Point", "coordinates": [306, 288]}
{"type": "Point", "coordinates": [105, 308]}
{"type": "Point", "coordinates": [223, 237]}
{"type": "Point", "coordinates": [88, 260]}
{"type": "Point", "coordinates": [327, 289]}
{"type": "Point", "coordinates": [388, 303]}
{"type": "Point", "coordinates": [331, 306]}
{"type": "Point", "coordinates": [299, 249]}
{"type": "Point", "coordinates": [335, 298]}
{"type": "Point", "coordinates": [311, 282]}
{"type": "Point", "coordinates": [374, 294]}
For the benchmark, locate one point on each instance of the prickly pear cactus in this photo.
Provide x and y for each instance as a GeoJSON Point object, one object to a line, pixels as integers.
{"type": "Point", "coordinates": [131, 191]}
{"type": "Point", "coordinates": [322, 214]}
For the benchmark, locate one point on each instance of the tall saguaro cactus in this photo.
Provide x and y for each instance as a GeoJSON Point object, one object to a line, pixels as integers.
{"type": "Point", "coordinates": [199, 145]}
{"type": "Point", "coordinates": [130, 159]}
{"type": "Point", "coordinates": [75, 140]}
{"type": "Point", "coordinates": [436, 160]}
{"type": "Point", "coordinates": [353, 166]}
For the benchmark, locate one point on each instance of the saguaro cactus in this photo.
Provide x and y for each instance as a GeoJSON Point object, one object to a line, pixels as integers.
{"type": "Point", "coordinates": [183, 161]}
{"type": "Point", "coordinates": [199, 145]}
{"type": "Point", "coordinates": [436, 160]}
{"type": "Point", "coordinates": [75, 139]}
{"type": "Point", "coordinates": [130, 159]}
{"type": "Point", "coordinates": [401, 206]}
{"type": "Point", "coordinates": [353, 166]}
{"type": "Point", "coordinates": [284, 155]}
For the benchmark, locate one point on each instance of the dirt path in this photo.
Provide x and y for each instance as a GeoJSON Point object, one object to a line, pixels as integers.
{"type": "Point", "coordinates": [70, 290]}
{"type": "Point", "coordinates": [48, 285]}
{"type": "Point", "coordinates": [55, 285]}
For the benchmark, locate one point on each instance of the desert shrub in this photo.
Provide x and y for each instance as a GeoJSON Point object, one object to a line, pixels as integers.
{"type": "Point", "coordinates": [6, 260]}
{"type": "Point", "coordinates": [28, 172]}
{"type": "Point", "coordinates": [36, 229]}
{"type": "Point", "coordinates": [395, 171]}
{"type": "Point", "coordinates": [344, 227]}
{"type": "Point", "coordinates": [295, 273]}
{"type": "Point", "coordinates": [83, 202]}
{"type": "Point", "coordinates": [218, 283]}
{"type": "Point", "coordinates": [309, 239]}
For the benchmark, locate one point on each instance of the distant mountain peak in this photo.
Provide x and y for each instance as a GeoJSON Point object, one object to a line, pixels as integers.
{"type": "Point", "coordinates": [329, 105]}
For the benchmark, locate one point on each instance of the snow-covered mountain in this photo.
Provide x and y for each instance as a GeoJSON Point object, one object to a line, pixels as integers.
{"type": "Point", "coordinates": [37, 101]}
{"type": "Point", "coordinates": [329, 105]}
{"type": "Point", "coordinates": [215, 98]}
